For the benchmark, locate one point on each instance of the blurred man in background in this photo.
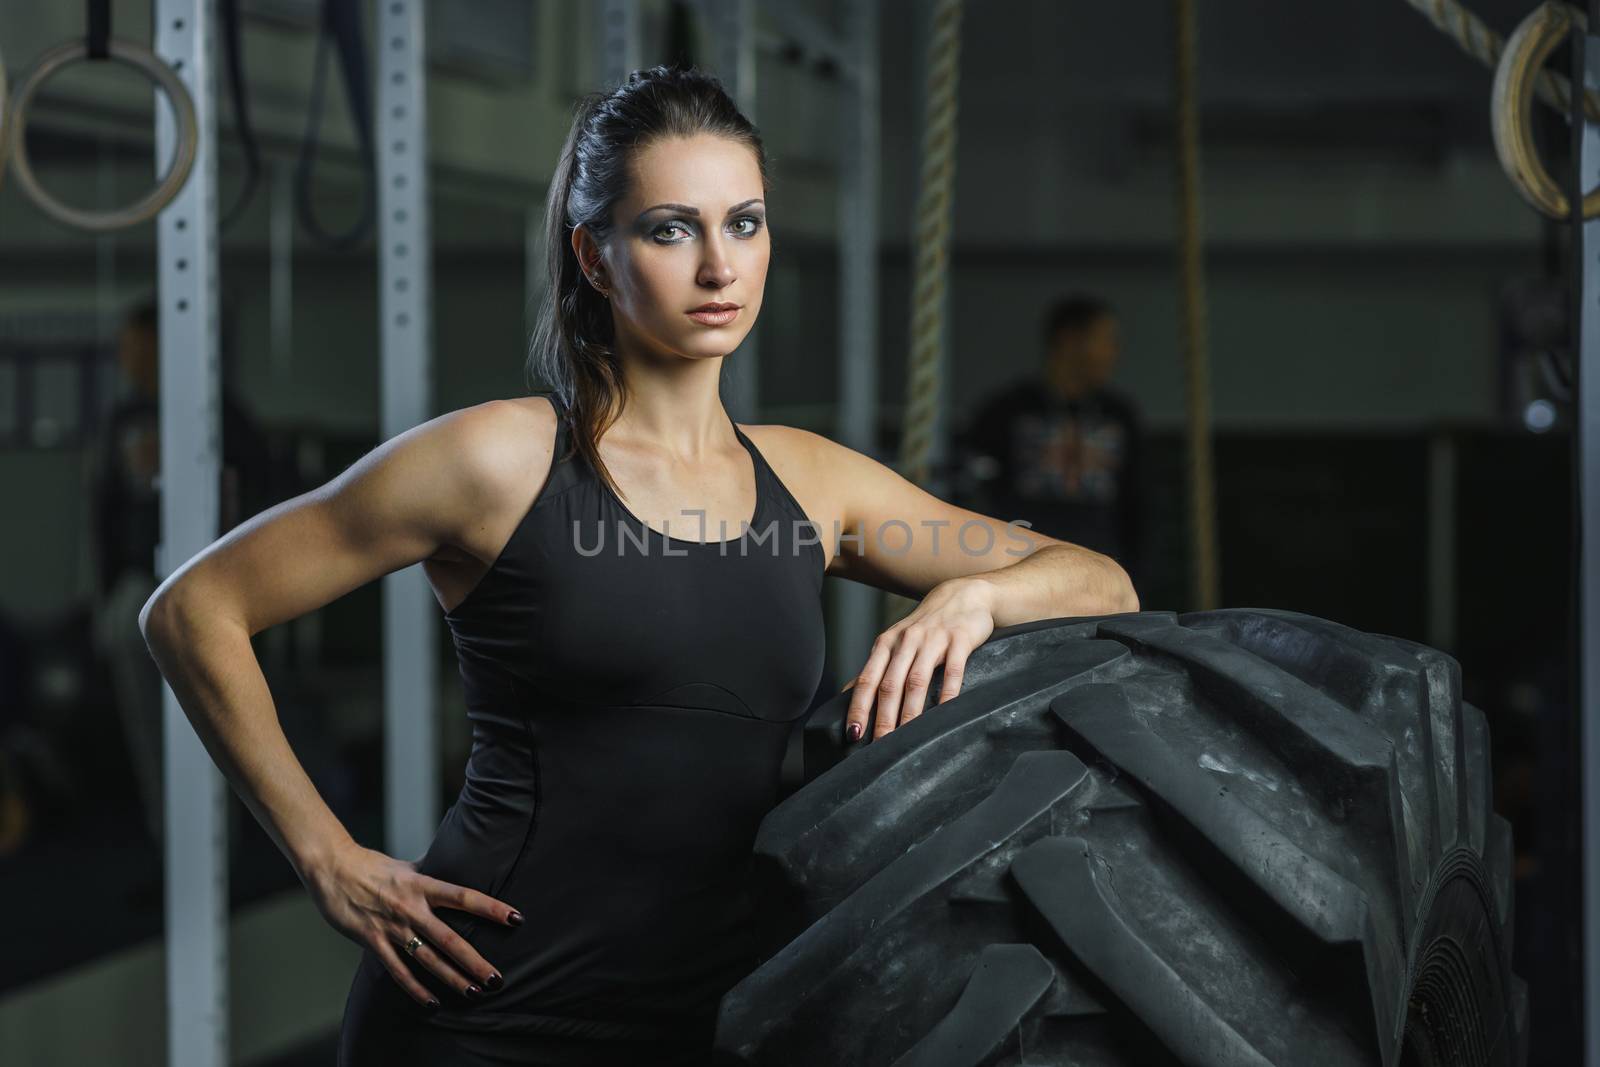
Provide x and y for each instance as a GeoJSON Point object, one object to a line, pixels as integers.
{"type": "Point", "coordinates": [1060, 448]}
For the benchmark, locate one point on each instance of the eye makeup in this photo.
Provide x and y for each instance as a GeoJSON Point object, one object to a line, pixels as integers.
{"type": "Point", "coordinates": [755, 207]}
{"type": "Point", "coordinates": [658, 230]}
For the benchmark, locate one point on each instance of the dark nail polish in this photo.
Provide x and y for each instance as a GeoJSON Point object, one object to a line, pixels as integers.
{"type": "Point", "coordinates": [474, 991]}
{"type": "Point", "coordinates": [432, 1004]}
{"type": "Point", "coordinates": [515, 918]}
{"type": "Point", "coordinates": [494, 981]}
{"type": "Point", "coordinates": [855, 731]}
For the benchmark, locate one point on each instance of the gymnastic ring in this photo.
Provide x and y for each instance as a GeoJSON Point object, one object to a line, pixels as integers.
{"type": "Point", "coordinates": [1511, 104]}
{"type": "Point", "coordinates": [142, 59]}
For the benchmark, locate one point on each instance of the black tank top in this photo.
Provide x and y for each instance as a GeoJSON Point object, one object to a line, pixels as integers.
{"type": "Point", "coordinates": [631, 696]}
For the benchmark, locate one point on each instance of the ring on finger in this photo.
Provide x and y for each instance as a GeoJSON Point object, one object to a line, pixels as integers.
{"type": "Point", "coordinates": [412, 945]}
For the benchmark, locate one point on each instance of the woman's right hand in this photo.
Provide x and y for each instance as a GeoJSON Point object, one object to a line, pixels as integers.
{"type": "Point", "coordinates": [380, 902]}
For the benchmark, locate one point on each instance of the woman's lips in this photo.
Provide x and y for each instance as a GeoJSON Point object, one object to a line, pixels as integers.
{"type": "Point", "coordinates": [714, 318]}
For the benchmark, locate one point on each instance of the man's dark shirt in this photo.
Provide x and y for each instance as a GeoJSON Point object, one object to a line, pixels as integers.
{"type": "Point", "coordinates": [1071, 468]}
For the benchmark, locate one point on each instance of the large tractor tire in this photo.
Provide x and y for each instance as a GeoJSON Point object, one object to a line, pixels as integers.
{"type": "Point", "coordinates": [1231, 838]}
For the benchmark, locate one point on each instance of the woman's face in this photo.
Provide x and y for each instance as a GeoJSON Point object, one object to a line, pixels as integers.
{"type": "Point", "coordinates": [691, 231]}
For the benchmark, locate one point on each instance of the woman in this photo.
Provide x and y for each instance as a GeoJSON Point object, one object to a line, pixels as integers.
{"type": "Point", "coordinates": [631, 689]}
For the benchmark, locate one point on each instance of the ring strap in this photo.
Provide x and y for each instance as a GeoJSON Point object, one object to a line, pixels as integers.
{"type": "Point", "coordinates": [99, 37]}
{"type": "Point", "coordinates": [340, 33]}
{"type": "Point", "coordinates": [234, 54]}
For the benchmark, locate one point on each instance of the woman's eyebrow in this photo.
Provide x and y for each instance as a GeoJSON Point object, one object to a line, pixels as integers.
{"type": "Point", "coordinates": [685, 209]}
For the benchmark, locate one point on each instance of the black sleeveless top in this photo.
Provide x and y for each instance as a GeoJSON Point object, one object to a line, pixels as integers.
{"type": "Point", "coordinates": [631, 696]}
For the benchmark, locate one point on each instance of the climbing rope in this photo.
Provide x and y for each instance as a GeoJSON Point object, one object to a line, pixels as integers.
{"type": "Point", "coordinates": [935, 207]}
{"type": "Point", "coordinates": [1205, 581]}
{"type": "Point", "coordinates": [1486, 46]}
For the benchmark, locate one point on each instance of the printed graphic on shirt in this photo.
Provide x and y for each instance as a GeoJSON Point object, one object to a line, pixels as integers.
{"type": "Point", "coordinates": [1066, 457]}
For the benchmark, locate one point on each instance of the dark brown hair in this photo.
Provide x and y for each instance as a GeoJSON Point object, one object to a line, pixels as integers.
{"type": "Point", "coordinates": [572, 350]}
{"type": "Point", "coordinates": [1074, 314]}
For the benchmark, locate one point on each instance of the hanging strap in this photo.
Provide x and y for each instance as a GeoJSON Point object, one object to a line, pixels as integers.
{"type": "Point", "coordinates": [229, 10]}
{"type": "Point", "coordinates": [341, 23]}
{"type": "Point", "coordinates": [99, 36]}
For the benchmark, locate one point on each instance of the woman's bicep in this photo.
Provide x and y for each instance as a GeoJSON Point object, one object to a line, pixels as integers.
{"type": "Point", "coordinates": [395, 506]}
{"type": "Point", "coordinates": [900, 537]}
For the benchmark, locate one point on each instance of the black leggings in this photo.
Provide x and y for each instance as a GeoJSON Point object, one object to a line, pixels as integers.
{"type": "Point", "coordinates": [384, 1027]}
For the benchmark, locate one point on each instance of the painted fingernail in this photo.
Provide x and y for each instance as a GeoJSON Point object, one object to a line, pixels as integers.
{"type": "Point", "coordinates": [433, 1004]}
{"type": "Point", "coordinates": [515, 918]}
{"type": "Point", "coordinates": [855, 731]}
{"type": "Point", "coordinates": [494, 981]}
{"type": "Point", "coordinates": [474, 991]}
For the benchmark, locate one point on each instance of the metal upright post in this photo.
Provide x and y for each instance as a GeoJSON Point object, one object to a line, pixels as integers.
{"type": "Point", "coordinates": [410, 667]}
{"type": "Point", "coordinates": [196, 828]}
{"type": "Point", "coordinates": [854, 618]}
{"type": "Point", "coordinates": [280, 285]}
{"type": "Point", "coordinates": [739, 53]}
{"type": "Point", "coordinates": [733, 49]}
{"type": "Point", "coordinates": [618, 40]}
{"type": "Point", "coordinates": [1442, 601]}
{"type": "Point", "coordinates": [1586, 71]}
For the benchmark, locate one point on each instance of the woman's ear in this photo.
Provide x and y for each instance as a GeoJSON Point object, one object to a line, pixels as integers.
{"type": "Point", "coordinates": [585, 248]}
{"type": "Point", "coordinates": [589, 258]}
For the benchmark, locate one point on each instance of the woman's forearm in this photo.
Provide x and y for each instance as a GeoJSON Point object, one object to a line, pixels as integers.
{"type": "Point", "coordinates": [208, 661]}
{"type": "Point", "coordinates": [1056, 581]}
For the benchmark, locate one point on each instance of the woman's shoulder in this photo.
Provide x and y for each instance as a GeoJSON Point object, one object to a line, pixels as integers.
{"type": "Point", "coordinates": [543, 408]}
{"type": "Point", "coordinates": [788, 446]}
{"type": "Point", "coordinates": [801, 445]}
{"type": "Point", "coordinates": [514, 436]}
{"type": "Point", "coordinates": [503, 451]}
{"type": "Point", "coordinates": [508, 429]}
{"type": "Point", "coordinates": [809, 464]}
